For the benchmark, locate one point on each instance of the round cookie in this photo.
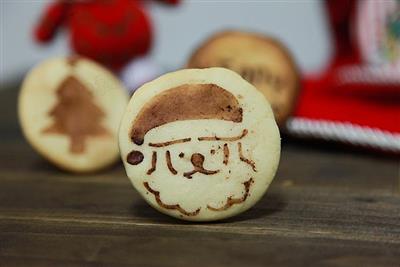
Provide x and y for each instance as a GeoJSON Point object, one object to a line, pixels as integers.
{"type": "Point", "coordinates": [200, 144]}
{"type": "Point", "coordinates": [70, 110]}
{"type": "Point", "coordinates": [262, 61]}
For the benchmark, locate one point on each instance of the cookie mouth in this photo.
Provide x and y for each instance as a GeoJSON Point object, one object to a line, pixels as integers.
{"type": "Point", "coordinates": [197, 160]}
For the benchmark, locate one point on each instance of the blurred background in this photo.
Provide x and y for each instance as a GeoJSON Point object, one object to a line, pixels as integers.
{"type": "Point", "coordinates": [347, 52]}
{"type": "Point", "coordinates": [178, 29]}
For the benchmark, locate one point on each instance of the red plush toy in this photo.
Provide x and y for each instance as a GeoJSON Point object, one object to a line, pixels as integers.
{"type": "Point", "coordinates": [357, 99]}
{"type": "Point", "coordinates": [112, 32]}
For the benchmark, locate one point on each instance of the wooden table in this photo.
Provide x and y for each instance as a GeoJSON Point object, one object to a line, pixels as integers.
{"type": "Point", "coordinates": [327, 206]}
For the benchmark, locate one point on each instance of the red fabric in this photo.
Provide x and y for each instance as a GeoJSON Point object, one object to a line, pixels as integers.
{"type": "Point", "coordinates": [322, 100]}
{"type": "Point", "coordinates": [341, 14]}
{"type": "Point", "coordinates": [111, 32]}
{"type": "Point", "coordinates": [52, 19]}
{"type": "Point", "coordinates": [362, 102]}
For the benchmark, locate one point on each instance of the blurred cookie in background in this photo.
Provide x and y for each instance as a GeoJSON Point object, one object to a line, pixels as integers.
{"type": "Point", "coordinates": [69, 111]}
{"type": "Point", "coordinates": [261, 60]}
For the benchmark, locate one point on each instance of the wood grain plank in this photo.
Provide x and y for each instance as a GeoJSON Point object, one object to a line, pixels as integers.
{"type": "Point", "coordinates": [326, 207]}
{"type": "Point", "coordinates": [289, 210]}
{"type": "Point", "coordinates": [146, 245]}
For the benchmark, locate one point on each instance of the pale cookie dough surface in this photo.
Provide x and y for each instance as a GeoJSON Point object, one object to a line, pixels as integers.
{"type": "Point", "coordinates": [70, 110]}
{"type": "Point", "coordinates": [200, 144]}
{"type": "Point", "coordinates": [261, 60]}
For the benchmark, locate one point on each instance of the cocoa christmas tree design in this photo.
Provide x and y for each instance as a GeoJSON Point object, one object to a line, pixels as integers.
{"type": "Point", "coordinates": [76, 115]}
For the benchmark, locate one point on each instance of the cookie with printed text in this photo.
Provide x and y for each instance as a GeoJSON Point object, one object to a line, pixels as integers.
{"type": "Point", "coordinates": [261, 60]}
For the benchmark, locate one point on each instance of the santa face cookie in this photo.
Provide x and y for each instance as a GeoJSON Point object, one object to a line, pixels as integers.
{"type": "Point", "coordinates": [200, 144]}
{"type": "Point", "coordinates": [261, 60]}
{"type": "Point", "coordinates": [70, 110]}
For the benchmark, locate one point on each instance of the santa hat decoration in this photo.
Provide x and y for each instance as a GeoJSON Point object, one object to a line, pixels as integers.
{"type": "Point", "coordinates": [111, 32]}
{"type": "Point", "coordinates": [357, 100]}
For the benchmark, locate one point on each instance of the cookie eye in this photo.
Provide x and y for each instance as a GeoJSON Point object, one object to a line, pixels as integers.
{"type": "Point", "coordinates": [181, 155]}
{"type": "Point", "coordinates": [212, 151]}
{"type": "Point", "coordinates": [135, 157]}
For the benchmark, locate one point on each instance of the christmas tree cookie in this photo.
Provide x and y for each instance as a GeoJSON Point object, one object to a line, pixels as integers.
{"type": "Point", "coordinates": [69, 110]}
{"type": "Point", "coordinates": [200, 144]}
{"type": "Point", "coordinates": [261, 60]}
